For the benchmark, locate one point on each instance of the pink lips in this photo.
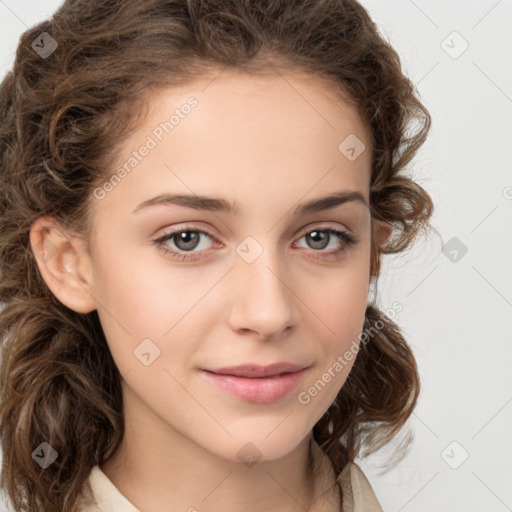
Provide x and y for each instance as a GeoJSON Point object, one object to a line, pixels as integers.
{"type": "Point", "coordinates": [258, 384]}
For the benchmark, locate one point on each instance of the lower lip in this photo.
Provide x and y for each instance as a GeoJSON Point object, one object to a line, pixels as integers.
{"type": "Point", "coordinates": [258, 390]}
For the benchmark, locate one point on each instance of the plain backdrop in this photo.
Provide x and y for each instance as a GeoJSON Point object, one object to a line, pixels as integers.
{"type": "Point", "coordinates": [456, 289]}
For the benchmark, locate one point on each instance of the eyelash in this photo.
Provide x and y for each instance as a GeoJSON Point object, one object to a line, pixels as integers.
{"type": "Point", "coordinates": [344, 236]}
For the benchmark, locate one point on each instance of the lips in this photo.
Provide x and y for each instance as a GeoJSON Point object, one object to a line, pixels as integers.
{"type": "Point", "coordinates": [256, 371]}
{"type": "Point", "coordinates": [257, 384]}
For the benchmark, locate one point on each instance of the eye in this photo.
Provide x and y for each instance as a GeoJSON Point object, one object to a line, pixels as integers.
{"type": "Point", "coordinates": [188, 238]}
{"type": "Point", "coordinates": [320, 238]}
{"type": "Point", "coordinates": [185, 239]}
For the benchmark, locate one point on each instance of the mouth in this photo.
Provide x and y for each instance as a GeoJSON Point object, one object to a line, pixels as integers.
{"type": "Point", "coordinates": [258, 384]}
{"type": "Point", "coordinates": [257, 371]}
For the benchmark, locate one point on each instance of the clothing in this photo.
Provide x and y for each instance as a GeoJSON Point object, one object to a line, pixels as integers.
{"type": "Point", "coordinates": [358, 495]}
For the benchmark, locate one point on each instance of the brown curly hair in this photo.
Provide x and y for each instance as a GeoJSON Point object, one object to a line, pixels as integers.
{"type": "Point", "coordinates": [63, 120]}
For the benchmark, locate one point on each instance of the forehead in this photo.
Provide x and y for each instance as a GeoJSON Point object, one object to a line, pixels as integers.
{"type": "Point", "coordinates": [240, 136]}
{"type": "Point", "coordinates": [269, 101]}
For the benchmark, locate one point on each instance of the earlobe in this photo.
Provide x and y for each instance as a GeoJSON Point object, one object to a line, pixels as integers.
{"type": "Point", "coordinates": [64, 264]}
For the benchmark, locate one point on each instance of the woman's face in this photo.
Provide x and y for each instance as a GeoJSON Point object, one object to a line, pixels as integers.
{"type": "Point", "coordinates": [265, 283]}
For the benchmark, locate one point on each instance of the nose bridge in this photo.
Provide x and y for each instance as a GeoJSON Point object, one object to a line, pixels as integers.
{"type": "Point", "coordinates": [264, 301]}
{"type": "Point", "coordinates": [260, 266]}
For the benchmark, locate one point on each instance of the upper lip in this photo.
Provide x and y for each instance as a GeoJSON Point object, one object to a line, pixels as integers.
{"type": "Point", "coordinates": [254, 370]}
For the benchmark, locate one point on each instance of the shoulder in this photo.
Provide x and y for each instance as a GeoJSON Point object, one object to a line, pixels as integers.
{"type": "Point", "coordinates": [358, 494]}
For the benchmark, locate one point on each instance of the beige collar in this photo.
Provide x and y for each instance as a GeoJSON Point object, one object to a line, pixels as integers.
{"type": "Point", "coordinates": [358, 495]}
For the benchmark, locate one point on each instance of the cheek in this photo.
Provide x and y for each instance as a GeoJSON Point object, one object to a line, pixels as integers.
{"type": "Point", "coordinates": [348, 317]}
{"type": "Point", "coordinates": [341, 308]}
{"type": "Point", "coordinates": [339, 298]}
{"type": "Point", "coordinates": [129, 306]}
{"type": "Point", "coordinates": [145, 308]}
{"type": "Point", "coordinates": [347, 305]}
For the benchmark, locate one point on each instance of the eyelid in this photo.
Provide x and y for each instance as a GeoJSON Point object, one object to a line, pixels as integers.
{"type": "Point", "coordinates": [320, 226]}
{"type": "Point", "coordinates": [187, 227]}
{"type": "Point", "coordinates": [348, 239]}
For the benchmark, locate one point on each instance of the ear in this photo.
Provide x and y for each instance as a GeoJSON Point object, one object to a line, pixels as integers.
{"type": "Point", "coordinates": [381, 231]}
{"type": "Point", "coordinates": [64, 263]}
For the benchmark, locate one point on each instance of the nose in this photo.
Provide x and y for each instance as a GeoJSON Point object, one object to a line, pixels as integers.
{"type": "Point", "coordinates": [263, 299]}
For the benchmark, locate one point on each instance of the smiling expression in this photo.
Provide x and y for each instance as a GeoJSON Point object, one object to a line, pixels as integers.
{"type": "Point", "coordinates": [242, 237]}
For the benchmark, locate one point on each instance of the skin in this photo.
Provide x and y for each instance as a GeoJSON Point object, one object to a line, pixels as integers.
{"type": "Point", "coordinates": [268, 146]}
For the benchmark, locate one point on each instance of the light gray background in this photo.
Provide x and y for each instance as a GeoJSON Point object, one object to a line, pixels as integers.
{"type": "Point", "coordinates": [455, 313]}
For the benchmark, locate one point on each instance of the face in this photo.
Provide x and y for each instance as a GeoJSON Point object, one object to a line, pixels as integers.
{"type": "Point", "coordinates": [268, 282]}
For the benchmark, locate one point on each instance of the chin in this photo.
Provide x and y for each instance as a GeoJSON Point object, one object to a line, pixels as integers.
{"type": "Point", "coordinates": [264, 444]}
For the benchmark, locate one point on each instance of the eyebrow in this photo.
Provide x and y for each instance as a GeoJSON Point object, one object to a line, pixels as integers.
{"type": "Point", "coordinates": [221, 205]}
